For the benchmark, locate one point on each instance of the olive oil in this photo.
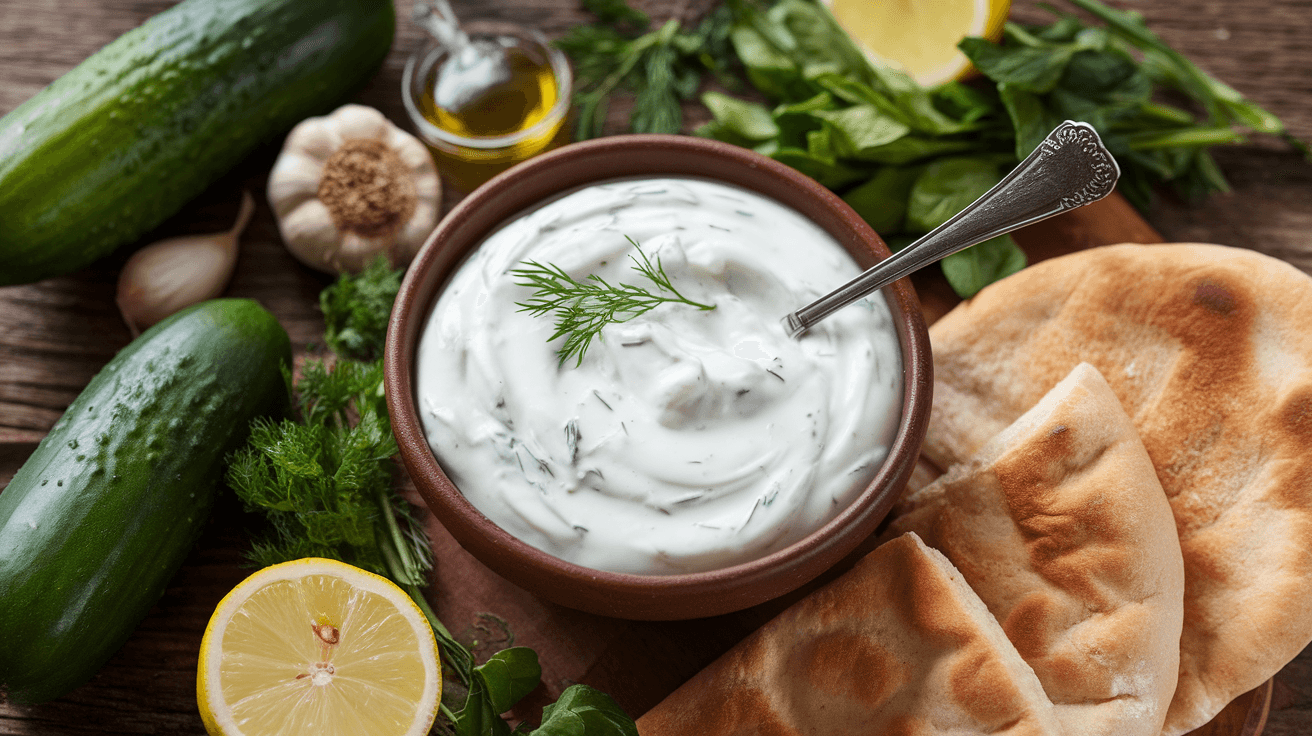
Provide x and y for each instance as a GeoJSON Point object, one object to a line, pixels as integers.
{"type": "Point", "coordinates": [498, 107]}
{"type": "Point", "coordinates": [490, 105]}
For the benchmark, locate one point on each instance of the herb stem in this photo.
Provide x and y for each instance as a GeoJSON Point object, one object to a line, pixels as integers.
{"type": "Point", "coordinates": [461, 660]}
{"type": "Point", "coordinates": [584, 308]}
{"type": "Point", "coordinates": [403, 565]}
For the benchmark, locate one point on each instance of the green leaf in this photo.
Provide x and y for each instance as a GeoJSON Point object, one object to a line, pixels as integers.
{"type": "Point", "coordinates": [830, 174]}
{"type": "Point", "coordinates": [882, 201]}
{"type": "Point", "coordinates": [356, 310]}
{"type": "Point", "coordinates": [915, 103]}
{"type": "Point", "coordinates": [862, 127]}
{"type": "Point", "coordinates": [910, 148]}
{"type": "Point", "coordinates": [820, 44]}
{"type": "Point", "coordinates": [1063, 30]}
{"type": "Point", "coordinates": [616, 12]}
{"type": "Point", "coordinates": [972, 269]}
{"type": "Point", "coordinates": [584, 711]}
{"type": "Point", "coordinates": [1030, 119]}
{"type": "Point", "coordinates": [747, 120]}
{"type": "Point", "coordinates": [945, 188]}
{"type": "Point", "coordinates": [509, 675]}
{"type": "Point", "coordinates": [479, 717]}
{"type": "Point", "coordinates": [1030, 69]}
{"type": "Point", "coordinates": [964, 103]}
{"type": "Point", "coordinates": [1100, 88]}
{"type": "Point", "coordinates": [820, 145]}
{"type": "Point", "coordinates": [770, 70]}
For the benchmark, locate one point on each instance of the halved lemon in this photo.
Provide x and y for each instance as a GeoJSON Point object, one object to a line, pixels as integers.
{"type": "Point", "coordinates": [319, 647]}
{"type": "Point", "coordinates": [920, 36]}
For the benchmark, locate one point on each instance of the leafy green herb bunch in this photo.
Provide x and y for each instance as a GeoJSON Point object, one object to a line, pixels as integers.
{"type": "Point", "coordinates": [908, 158]}
{"type": "Point", "coordinates": [324, 479]}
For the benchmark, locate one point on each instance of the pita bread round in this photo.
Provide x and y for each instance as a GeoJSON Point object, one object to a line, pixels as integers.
{"type": "Point", "coordinates": [1060, 526]}
{"type": "Point", "coordinates": [1210, 352]}
{"type": "Point", "coordinates": [899, 645]}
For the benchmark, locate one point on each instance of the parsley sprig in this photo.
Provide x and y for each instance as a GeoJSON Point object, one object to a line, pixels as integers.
{"type": "Point", "coordinates": [324, 481]}
{"type": "Point", "coordinates": [583, 308]}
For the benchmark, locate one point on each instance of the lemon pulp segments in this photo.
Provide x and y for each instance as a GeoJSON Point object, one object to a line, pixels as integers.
{"type": "Point", "coordinates": [310, 647]}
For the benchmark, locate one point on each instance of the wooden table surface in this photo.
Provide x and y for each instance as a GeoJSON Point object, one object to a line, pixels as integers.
{"type": "Point", "coordinates": [56, 334]}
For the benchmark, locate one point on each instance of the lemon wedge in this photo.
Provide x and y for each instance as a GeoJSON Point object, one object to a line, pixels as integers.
{"type": "Point", "coordinates": [920, 36]}
{"type": "Point", "coordinates": [320, 647]}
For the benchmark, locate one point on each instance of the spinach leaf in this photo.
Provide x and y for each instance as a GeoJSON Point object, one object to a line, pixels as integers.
{"type": "Point", "coordinates": [584, 711]}
{"type": "Point", "coordinates": [882, 200]}
{"type": "Point", "coordinates": [509, 675]}
{"type": "Point", "coordinates": [859, 128]}
{"type": "Point", "coordinates": [1030, 69]}
{"type": "Point", "coordinates": [945, 187]}
{"type": "Point", "coordinates": [980, 265]}
{"type": "Point", "coordinates": [747, 120]}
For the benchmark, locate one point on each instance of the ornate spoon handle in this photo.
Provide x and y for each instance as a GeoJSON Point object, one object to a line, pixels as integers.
{"type": "Point", "coordinates": [1069, 169]}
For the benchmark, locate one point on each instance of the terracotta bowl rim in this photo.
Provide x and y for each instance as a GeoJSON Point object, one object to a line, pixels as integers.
{"type": "Point", "coordinates": [414, 303]}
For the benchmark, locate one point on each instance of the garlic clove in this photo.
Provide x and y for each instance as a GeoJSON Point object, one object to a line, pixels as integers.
{"type": "Point", "coordinates": [315, 138]}
{"type": "Point", "coordinates": [428, 188]}
{"type": "Point", "coordinates": [358, 121]}
{"type": "Point", "coordinates": [311, 236]}
{"type": "Point", "coordinates": [295, 178]}
{"type": "Point", "coordinates": [169, 275]}
{"type": "Point", "coordinates": [411, 152]}
{"type": "Point", "coordinates": [416, 231]}
{"type": "Point", "coordinates": [357, 251]}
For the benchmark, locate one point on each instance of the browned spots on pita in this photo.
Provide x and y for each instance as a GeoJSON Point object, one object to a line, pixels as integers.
{"type": "Point", "coordinates": [922, 605]}
{"type": "Point", "coordinates": [1215, 297]}
{"type": "Point", "coordinates": [982, 687]}
{"type": "Point", "coordinates": [740, 712]}
{"type": "Point", "coordinates": [1029, 625]}
{"type": "Point", "coordinates": [1296, 415]}
{"type": "Point", "coordinates": [899, 645]}
{"type": "Point", "coordinates": [1208, 350]}
{"type": "Point", "coordinates": [829, 663]}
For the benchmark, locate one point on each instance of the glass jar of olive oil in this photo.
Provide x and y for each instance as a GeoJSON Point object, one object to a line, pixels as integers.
{"type": "Point", "coordinates": [489, 106]}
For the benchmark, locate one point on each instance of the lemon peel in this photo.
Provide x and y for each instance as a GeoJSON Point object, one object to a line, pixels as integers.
{"type": "Point", "coordinates": [318, 646]}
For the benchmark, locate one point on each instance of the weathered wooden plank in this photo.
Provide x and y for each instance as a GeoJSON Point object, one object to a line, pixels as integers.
{"type": "Point", "coordinates": [55, 335]}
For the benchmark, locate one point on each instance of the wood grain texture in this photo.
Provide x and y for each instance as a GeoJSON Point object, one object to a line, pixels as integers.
{"type": "Point", "coordinates": [56, 334]}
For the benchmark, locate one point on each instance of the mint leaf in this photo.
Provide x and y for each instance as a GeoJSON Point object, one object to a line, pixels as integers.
{"type": "Point", "coordinates": [972, 269]}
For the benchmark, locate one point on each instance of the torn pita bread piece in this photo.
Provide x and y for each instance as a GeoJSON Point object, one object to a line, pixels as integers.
{"type": "Point", "coordinates": [1060, 526]}
{"type": "Point", "coordinates": [899, 645]}
{"type": "Point", "coordinates": [1210, 352]}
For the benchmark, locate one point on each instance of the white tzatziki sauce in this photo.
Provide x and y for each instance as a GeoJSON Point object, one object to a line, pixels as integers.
{"type": "Point", "coordinates": [687, 440]}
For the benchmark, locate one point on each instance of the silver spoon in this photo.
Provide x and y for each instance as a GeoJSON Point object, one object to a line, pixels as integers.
{"type": "Point", "coordinates": [1069, 169]}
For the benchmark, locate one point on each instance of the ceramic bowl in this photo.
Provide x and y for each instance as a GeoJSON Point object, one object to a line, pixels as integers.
{"type": "Point", "coordinates": [648, 597]}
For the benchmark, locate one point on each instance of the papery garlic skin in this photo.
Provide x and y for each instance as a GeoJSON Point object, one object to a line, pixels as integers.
{"type": "Point", "coordinates": [351, 185]}
{"type": "Point", "coordinates": [169, 275]}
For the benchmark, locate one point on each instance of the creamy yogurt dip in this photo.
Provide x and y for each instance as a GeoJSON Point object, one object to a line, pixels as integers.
{"type": "Point", "coordinates": [687, 440]}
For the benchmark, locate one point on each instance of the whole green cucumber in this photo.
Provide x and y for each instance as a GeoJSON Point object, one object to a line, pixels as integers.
{"type": "Point", "coordinates": [114, 147]}
{"type": "Point", "coordinates": [106, 509]}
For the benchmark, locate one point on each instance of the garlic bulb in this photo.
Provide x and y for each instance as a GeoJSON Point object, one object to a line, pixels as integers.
{"type": "Point", "coordinates": [351, 185]}
{"type": "Point", "coordinates": [166, 276]}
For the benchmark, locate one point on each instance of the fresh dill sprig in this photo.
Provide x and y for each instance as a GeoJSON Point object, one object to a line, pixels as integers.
{"type": "Point", "coordinates": [659, 68]}
{"type": "Point", "coordinates": [583, 308]}
{"type": "Point", "coordinates": [324, 481]}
